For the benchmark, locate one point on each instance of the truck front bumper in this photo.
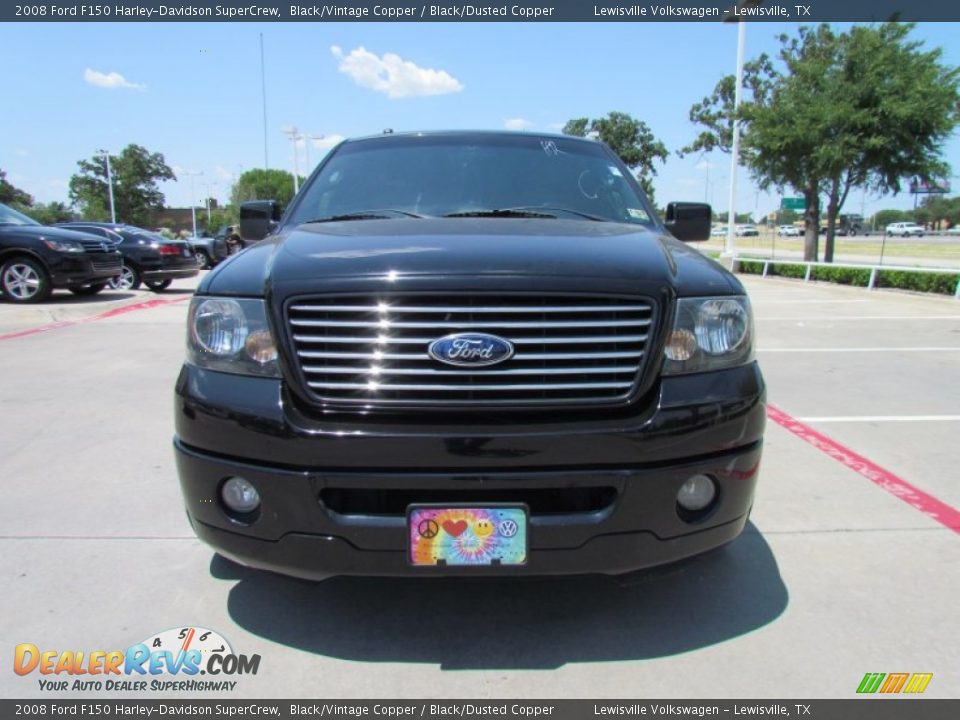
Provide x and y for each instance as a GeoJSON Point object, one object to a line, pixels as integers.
{"type": "Point", "coordinates": [602, 493]}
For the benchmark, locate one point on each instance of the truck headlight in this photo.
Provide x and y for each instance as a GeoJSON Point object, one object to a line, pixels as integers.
{"type": "Point", "coordinates": [231, 335]}
{"type": "Point", "coordinates": [709, 334]}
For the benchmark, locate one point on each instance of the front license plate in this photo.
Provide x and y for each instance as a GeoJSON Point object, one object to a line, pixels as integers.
{"type": "Point", "coordinates": [467, 535]}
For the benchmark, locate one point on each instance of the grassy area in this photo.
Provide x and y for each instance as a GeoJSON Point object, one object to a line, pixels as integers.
{"type": "Point", "coordinates": [860, 246]}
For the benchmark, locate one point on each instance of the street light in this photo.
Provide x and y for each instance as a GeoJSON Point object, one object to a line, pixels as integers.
{"type": "Point", "coordinates": [210, 186]}
{"type": "Point", "coordinates": [306, 146]}
{"type": "Point", "coordinates": [735, 149]}
{"type": "Point", "coordinates": [113, 212]}
{"type": "Point", "coordinates": [294, 136]}
{"type": "Point", "coordinates": [193, 206]}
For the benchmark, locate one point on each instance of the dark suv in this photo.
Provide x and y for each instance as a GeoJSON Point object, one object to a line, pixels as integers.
{"type": "Point", "coordinates": [469, 353]}
{"type": "Point", "coordinates": [148, 257]}
{"type": "Point", "coordinates": [35, 259]}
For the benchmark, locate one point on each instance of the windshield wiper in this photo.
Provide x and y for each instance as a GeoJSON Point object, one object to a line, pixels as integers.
{"type": "Point", "coordinates": [527, 211]}
{"type": "Point", "coordinates": [501, 213]}
{"type": "Point", "coordinates": [587, 216]}
{"type": "Point", "coordinates": [365, 215]}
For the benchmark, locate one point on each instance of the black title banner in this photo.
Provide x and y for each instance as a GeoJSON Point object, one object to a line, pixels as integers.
{"type": "Point", "coordinates": [483, 11]}
{"type": "Point", "coordinates": [862, 709]}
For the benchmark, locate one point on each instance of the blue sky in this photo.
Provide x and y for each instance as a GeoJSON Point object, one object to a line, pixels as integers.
{"type": "Point", "coordinates": [192, 91]}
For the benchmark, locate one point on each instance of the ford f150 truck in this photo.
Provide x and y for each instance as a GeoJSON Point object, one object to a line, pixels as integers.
{"type": "Point", "coordinates": [469, 353]}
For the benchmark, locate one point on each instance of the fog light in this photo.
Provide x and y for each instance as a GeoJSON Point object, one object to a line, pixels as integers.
{"type": "Point", "coordinates": [697, 493]}
{"type": "Point", "coordinates": [240, 495]}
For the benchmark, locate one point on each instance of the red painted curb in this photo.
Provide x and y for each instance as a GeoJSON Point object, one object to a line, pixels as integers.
{"type": "Point", "coordinates": [894, 484]}
{"type": "Point", "coordinates": [114, 312]}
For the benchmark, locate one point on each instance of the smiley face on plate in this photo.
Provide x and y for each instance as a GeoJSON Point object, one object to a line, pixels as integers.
{"type": "Point", "coordinates": [482, 528]}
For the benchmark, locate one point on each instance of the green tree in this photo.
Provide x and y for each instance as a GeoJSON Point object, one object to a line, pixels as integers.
{"type": "Point", "coordinates": [52, 212]}
{"type": "Point", "coordinates": [136, 172]}
{"type": "Point", "coordinates": [864, 108]}
{"type": "Point", "coordinates": [261, 184]}
{"type": "Point", "coordinates": [630, 139]}
{"type": "Point", "coordinates": [12, 195]}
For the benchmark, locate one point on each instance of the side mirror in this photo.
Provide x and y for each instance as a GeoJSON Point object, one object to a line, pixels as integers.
{"type": "Point", "coordinates": [689, 222]}
{"type": "Point", "coordinates": [258, 219]}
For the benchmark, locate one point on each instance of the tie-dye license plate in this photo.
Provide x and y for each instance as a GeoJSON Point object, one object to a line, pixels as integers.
{"type": "Point", "coordinates": [467, 536]}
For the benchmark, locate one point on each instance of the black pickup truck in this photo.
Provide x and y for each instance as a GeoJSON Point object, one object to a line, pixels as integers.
{"type": "Point", "coordinates": [466, 353]}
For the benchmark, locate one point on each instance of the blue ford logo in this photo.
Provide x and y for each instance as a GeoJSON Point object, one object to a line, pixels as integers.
{"type": "Point", "coordinates": [471, 349]}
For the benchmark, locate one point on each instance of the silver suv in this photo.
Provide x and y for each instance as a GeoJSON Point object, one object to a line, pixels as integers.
{"type": "Point", "coordinates": [905, 229]}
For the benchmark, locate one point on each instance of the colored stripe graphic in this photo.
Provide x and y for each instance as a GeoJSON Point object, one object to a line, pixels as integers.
{"type": "Point", "coordinates": [870, 682]}
{"type": "Point", "coordinates": [145, 305]}
{"type": "Point", "coordinates": [895, 485]}
{"type": "Point", "coordinates": [918, 683]}
{"type": "Point", "coordinates": [894, 682]}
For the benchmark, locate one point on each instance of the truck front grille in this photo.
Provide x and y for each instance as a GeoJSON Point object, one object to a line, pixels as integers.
{"type": "Point", "coordinates": [581, 349]}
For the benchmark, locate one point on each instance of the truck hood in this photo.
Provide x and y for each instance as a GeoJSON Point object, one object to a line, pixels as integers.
{"type": "Point", "coordinates": [468, 254]}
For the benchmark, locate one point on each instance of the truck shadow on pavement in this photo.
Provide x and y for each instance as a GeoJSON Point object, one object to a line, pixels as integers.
{"type": "Point", "coordinates": [516, 624]}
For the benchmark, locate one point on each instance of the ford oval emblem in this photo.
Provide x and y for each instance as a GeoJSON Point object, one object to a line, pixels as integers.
{"type": "Point", "coordinates": [471, 349]}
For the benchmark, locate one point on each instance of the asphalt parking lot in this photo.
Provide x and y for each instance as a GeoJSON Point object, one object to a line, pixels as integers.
{"type": "Point", "coordinates": [851, 562]}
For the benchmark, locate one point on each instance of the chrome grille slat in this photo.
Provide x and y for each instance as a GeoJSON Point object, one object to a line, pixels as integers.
{"type": "Point", "coordinates": [467, 324]}
{"type": "Point", "coordinates": [373, 349]}
{"type": "Point", "coordinates": [457, 309]}
{"type": "Point", "coordinates": [378, 372]}
{"type": "Point", "coordinates": [599, 339]}
{"type": "Point", "coordinates": [472, 388]}
{"type": "Point", "coordinates": [423, 356]}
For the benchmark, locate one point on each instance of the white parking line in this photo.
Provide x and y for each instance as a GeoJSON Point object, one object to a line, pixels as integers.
{"type": "Point", "coordinates": [881, 418]}
{"type": "Point", "coordinates": [860, 350]}
{"type": "Point", "coordinates": [861, 317]}
{"type": "Point", "coordinates": [803, 301]}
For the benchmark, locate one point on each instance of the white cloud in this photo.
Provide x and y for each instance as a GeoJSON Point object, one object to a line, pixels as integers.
{"type": "Point", "coordinates": [705, 165]}
{"type": "Point", "coordinates": [517, 124]}
{"type": "Point", "coordinates": [392, 75]}
{"type": "Point", "coordinates": [110, 80]}
{"type": "Point", "coordinates": [327, 141]}
{"type": "Point", "coordinates": [224, 174]}
{"type": "Point", "coordinates": [20, 152]}
{"type": "Point", "coordinates": [556, 127]}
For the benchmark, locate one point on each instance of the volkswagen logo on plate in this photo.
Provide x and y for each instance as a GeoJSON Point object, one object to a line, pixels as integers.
{"type": "Point", "coordinates": [471, 349]}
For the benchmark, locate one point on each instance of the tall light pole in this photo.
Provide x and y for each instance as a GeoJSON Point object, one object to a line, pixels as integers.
{"type": "Point", "coordinates": [294, 136]}
{"type": "Point", "coordinates": [729, 249]}
{"type": "Point", "coordinates": [263, 91]}
{"type": "Point", "coordinates": [306, 145]}
{"type": "Point", "coordinates": [210, 186]}
{"type": "Point", "coordinates": [113, 212]}
{"type": "Point", "coordinates": [193, 205]}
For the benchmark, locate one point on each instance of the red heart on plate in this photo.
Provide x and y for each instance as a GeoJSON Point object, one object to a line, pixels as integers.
{"type": "Point", "coordinates": [455, 528]}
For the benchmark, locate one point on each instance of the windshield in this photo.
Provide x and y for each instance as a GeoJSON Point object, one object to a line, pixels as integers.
{"type": "Point", "coordinates": [9, 216]}
{"type": "Point", "coordinates": [469, 175]}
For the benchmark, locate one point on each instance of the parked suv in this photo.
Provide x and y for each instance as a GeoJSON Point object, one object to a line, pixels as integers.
{"type": "Point", "coordinates": [148, 257]}
{"type": "Point", "coordinates": [905, 229]}
{"type": "Point", "coordinates": [469, 354]}
{"type": "Point", "coordinates": [208, 251]}
{"type": "Point", "coordinates": [35, 259]}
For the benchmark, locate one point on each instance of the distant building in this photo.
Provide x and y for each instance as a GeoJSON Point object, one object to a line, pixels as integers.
{"type": "Point", "coordinates": [179, 219]}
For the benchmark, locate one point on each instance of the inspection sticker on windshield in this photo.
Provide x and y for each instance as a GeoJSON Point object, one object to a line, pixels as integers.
{"type": "Point", "coordinates": [467, 535]}
{"type": "Point", "coordinates": [638, 214]}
